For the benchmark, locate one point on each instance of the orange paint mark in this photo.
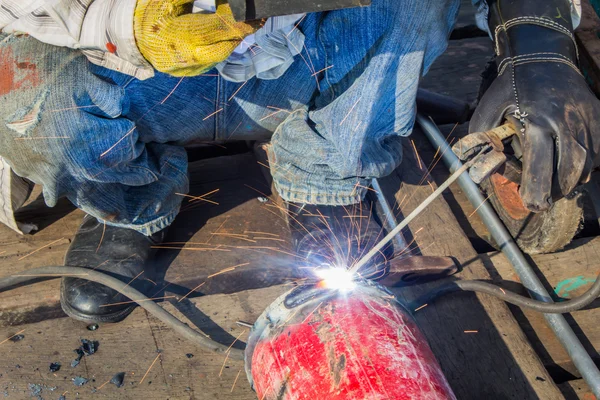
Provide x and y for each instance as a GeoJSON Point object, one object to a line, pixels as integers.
{"type": "Point", "coordinates": [16, 74]}
{"type": "Point", "coordinates": [111, 47]}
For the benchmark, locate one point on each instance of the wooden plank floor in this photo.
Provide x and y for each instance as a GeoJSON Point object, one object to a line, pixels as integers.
{"type": "Point", "coordinates": [132, 345]}
{"type": "Point", "coordinates": [499, 361]}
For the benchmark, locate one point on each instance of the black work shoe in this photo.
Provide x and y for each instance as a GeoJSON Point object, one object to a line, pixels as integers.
{"type": "Point", "coordinates": [337, 236]}
{"type": "Point", "coordinates": [122, 253]}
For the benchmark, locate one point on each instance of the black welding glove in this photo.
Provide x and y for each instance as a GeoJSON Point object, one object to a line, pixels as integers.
{"type": "Point", "coordinates": [539, 83]}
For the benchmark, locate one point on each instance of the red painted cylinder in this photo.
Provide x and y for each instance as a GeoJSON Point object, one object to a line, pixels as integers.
{"type": "Point", "coordinates": [361, 344]}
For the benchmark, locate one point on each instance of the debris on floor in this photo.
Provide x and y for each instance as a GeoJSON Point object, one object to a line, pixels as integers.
{"type": "Point", "coordinates": [80, 381]}
{"type": "Point", "coordinates": [55, 367]}
{"type": "Point", "coordinates": [17, 338]}
{"type": "Point", "coordinates": [87, 348]}
{"type": "Point", "coordinates": [118, 379]}
{"type": "Point", "coordinates": [35, 390]}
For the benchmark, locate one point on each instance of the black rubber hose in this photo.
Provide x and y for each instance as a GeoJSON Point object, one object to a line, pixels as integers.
{"type": "Point", "coordinates": [52, 272]}
{"type": "Point", "coordinates": [563, 307]}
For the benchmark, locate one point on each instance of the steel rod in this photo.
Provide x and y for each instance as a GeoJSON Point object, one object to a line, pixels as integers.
{"type": "Point", "coordinates": [408, 219]}
{"type": "Point", "coordinates": [390, 219]}
{"type": "Point", "coordinates": [581, 359]}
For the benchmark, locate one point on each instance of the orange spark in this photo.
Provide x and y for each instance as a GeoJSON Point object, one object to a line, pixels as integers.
{"type": "Point", "coordinates": [201, 197]}
{"type": "Point", "coordinates": [227, 270]}
{"type": "Point", "coordinates": [274, 113]}
{"type": "Point", "coordinates": [119, 141]}
{"type": "Point", "coordinates": [188, 248]}
{"type": "Point", "coordinates": [104, 384]}
{"type": "Point", "coordinates": [471, 331]}
{"type": "Point", "coordinates": [431, 186]}
{"type": "Point", "coordinates": [324, 69]}
{"type": "Point", "coordinates": [236, 379]}
{"type": "Point", "coordinates": [236, 339]}
{"type": "Point", "coordinates": [234, 131]}
{"type": "Point", "coordinates": [150, 280]}
{"type": "Point", "coordinates": [484, 200]}
{"type": "Point", "coordinates": [8, 338]}
{"type": "Point", "coordinates": [257, 233]}
{"type": "Point", "coordinates": [313, 67]}
{"type": "Point", "coordinates": [43, 247]}
{"type": "Point", "coordinates": [236, 92]}
{"type": "Point", "coordinates": [269, 238]}
{"type": "Point", "coordinates": [197, 198]}
{"type": "Point", "coordinates": [351, 108]}
{"type": "Point", "coordinates": [137, 301]}
{"type": "Point", "coordinates": [210, 115]}
{"type": "Point", "coordinates": [417, 154]}
{"type": "Point", "coordinates": [134, 278]}
{"type": "Point", "coordinates": [419, 308]}
{"type": "Point", "coordinates": [233, 235]}
{"type": "Point", "coordinates": [264, 165]}
{"type": "Point", "coordinates": [296, 26]}
{"type": "Point", "coordinates": [151, 365]}
{"type": "Point", "coordinates": [191, 291]}
{"type": "Point", "coordinates": [171, 92]}
{"type": "Point", "coordinates": [224, 362]}
{"type": "Point", "coordinates": [218, 229]}
{"type": "Point", "coordinates": [101, 237]}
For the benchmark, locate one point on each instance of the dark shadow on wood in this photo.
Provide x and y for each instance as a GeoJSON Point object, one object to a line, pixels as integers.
{"type": "Point", "coordinates": [36, 212]}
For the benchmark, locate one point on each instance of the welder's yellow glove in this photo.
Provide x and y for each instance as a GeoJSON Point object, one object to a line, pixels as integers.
{"type": "Point", "coordinates": [180, 43]}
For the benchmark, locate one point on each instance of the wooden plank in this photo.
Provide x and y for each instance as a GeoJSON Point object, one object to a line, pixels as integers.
{"type": "Point", "coordinates": [576, 390]}
{"type": "Point", "coordinates": [40, 301]}
{"type": "Point", "coordinates": [131, 347]}
{"type": "Point", "coordinates": [239, 212]}
{"type": "Point", "coordinates": [498, 360]}
{"type": "Point", "coordinates": [457, 72]}
{"type": "Point", "coordinates": [568, 273]}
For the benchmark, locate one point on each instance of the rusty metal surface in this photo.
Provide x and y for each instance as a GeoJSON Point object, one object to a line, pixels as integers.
{"type": "Point", "coordinates": [507, 193]}
{"type": "Point", "coordinates": [473, 143]}
{"type": "Point", "coordinates": [486, 166]}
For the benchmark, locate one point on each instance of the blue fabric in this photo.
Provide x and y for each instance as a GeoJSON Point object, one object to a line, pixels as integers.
{"type": "Point", "coordinates": [113, 144]}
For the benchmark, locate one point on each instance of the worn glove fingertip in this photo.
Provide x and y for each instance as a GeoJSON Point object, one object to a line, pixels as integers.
{"type": "Point", "coordinates": [535, 201]}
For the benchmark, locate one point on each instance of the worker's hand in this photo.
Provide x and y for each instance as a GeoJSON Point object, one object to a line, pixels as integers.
{"type": "Point", "coordinates": [559, 128]}
{"type": "Point", "coordinates": [180, 43]}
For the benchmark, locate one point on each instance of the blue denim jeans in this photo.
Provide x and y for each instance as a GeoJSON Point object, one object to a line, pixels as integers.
{"type": "Point", "coordinates": [113, 144]}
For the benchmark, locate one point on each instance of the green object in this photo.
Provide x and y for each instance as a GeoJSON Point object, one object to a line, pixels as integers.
{"type": "Point", "coordinates": [564, 288]}
{"type": "Point", "coordinates": [596, 5]}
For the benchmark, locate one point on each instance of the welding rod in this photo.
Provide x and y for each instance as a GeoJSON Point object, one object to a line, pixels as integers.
{"type": "Point", "coordinates": [354, 269]}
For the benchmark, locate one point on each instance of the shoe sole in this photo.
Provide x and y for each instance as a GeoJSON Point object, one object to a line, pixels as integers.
{"type": "Point", "coordinates": [79, 316]}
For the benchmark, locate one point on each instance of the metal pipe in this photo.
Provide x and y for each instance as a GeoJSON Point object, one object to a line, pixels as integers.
{"type": "Point", "coordinates": [390, 219]}
{"type": "Point", "coordinates": [582, 360]}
